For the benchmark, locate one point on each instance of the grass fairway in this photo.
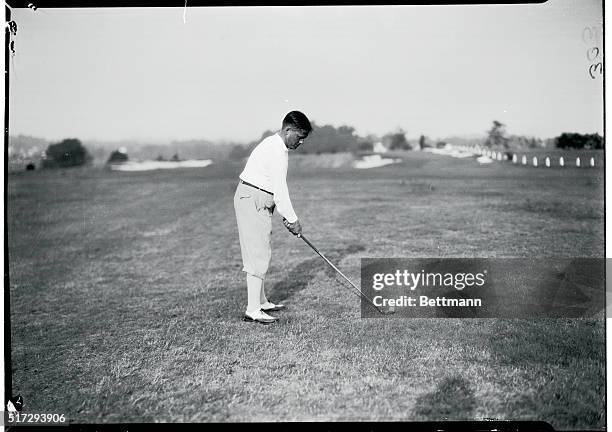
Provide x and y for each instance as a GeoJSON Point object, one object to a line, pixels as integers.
{"type": "Point", "coordinates": [127, 297]}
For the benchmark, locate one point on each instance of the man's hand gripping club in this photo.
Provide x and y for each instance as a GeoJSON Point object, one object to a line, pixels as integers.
{"type": "Point", "coordinates": [294, 228]}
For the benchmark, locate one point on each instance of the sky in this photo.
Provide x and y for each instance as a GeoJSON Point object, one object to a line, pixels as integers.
{"type": "Point", "coordinates": [231, 73]}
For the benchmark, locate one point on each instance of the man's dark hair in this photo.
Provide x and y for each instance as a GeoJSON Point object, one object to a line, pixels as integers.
{"type": "Point", "coordinates": [297, 120]}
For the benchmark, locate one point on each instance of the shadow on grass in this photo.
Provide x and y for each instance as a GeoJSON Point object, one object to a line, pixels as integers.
{"type": "Point", "coordinates": [564, 361]}
{"type": "Point", "coordinates": [300, 276]}
{"type": "Point", "coordinates": [453, 399]}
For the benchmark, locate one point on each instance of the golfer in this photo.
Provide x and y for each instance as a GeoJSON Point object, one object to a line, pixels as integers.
{"type": "Point", "coordinates": [262, 188]}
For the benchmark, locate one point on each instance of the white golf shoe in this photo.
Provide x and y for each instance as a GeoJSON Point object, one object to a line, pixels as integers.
{"type": "Point", "coordinates": [271, 307]}
{"type": "Point", "coordinates": [259, 316]}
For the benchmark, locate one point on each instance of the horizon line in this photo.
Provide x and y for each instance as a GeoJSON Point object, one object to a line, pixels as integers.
{"type": "Point", "coordinates": [231, 141]}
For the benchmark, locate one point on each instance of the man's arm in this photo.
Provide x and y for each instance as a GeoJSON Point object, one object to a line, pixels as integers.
{"type": "Point", "coordinates": [281, 191]}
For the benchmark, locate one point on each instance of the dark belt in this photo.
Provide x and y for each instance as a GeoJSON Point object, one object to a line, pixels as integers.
{"type": "Point", "coordinates": [252, 185]}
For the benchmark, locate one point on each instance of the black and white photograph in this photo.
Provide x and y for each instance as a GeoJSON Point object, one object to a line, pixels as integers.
{"type": "Point", "coordinates": [315, 213]}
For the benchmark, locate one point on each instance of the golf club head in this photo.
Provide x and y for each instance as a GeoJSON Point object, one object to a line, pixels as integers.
{"type": "Point", "coordinates": [388, 311]}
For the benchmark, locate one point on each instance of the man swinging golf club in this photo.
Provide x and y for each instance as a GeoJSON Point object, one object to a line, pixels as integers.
{"type": "Point", "coordinates": [262, 188]}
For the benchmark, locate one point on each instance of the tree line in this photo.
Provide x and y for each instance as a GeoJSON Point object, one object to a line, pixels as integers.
{"type": "Point", "coordinates": [329, 139]}
{"type": "Point", "coordinates": [497, 137]}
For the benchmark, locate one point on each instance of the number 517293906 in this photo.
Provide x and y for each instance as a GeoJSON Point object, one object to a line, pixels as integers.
{"type": "Point", "coordinates": [592, 37]}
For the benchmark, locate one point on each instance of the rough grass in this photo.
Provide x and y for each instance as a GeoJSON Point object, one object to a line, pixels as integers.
{"type": "Point", "coordinates": [127, 297]}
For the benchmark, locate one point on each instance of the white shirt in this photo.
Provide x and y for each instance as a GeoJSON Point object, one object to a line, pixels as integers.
{"type": "Point", "coordinates": [267, 168]}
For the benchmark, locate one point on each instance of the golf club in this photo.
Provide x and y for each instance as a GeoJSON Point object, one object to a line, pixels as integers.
{"type": "Point", "coordinates": [383, 312]}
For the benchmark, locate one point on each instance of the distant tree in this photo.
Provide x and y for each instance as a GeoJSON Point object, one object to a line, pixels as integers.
{"type": "Point", "coordinates": [238, 152]}
{"type": "Point", "coordinates": [365, 146]}
{"type": "Point", "coordinates": [579, 141]}
{"type": "Point", "coordinates": [522, 142]}
{"type": "Point", "coordinates": [175, 157]}
{"type": "Point", "coordinates": [67, 153]}
{"type": "Point", "coordinates": [30, 167]}
{"type": "Point", "coordinates": [323, 139]}
{"type": "Point", "coordinates": [496, 136]}
{"type": "Point", "coordinates": [329, 139]}
{"type": "Point", "coordinates": [117, 156]}
{"type": "Point", "coordinates": [422, 143]}
{"type": "Point", "coordinates": [372, 138]}
{"type": "Point", "coordinates": [160, 158]}
{"type": "Point", "coordinates": [550, 142]}
{"type": "Point", "coordinates": [397, 141]}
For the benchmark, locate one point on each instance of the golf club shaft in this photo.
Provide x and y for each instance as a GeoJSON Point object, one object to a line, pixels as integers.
{"type": "Point", "coordinates": [338, 271]}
